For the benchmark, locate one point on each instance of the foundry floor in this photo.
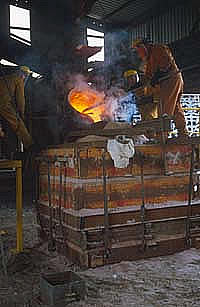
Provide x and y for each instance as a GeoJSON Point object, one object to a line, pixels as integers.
{"type": "Point", "coordinates": [164, 281]}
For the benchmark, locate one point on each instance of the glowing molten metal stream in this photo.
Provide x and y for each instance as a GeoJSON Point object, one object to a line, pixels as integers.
{"type": "Point", "coordinates": [88, 102]}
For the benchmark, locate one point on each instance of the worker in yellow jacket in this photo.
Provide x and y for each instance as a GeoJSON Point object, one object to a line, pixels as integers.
{"type": "Point", "coordinates": [12, 103]}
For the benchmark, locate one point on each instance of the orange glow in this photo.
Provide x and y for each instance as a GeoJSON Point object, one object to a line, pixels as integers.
{"type": "Point", "coordinates": [88, 102]}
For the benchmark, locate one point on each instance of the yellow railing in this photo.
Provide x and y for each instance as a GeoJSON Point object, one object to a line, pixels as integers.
{"type": "Point", "coordinates": [17, 166]}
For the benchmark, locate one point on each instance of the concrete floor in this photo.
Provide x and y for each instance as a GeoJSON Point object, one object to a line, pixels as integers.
{"type": "Point", "coordinates": [163, 281]}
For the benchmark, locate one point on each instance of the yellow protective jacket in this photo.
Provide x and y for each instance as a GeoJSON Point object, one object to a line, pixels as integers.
{"type": "Point", "coordinates": [12, 92]}
{"type": "Point", "coordinates": [12, 102]}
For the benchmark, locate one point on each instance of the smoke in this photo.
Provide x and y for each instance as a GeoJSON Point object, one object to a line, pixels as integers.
{"type": "Point", "coordinates": [117, 43]}
{"type": "Point", "coordinates": [119, 51]}
{"type": "Point", "coordinates": [120, 105]}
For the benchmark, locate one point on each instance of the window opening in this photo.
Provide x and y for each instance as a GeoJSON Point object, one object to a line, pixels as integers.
{"type": "Point", "coordinates": [96, 39]}
{"type": "Point", "coordinates": [20, 24]}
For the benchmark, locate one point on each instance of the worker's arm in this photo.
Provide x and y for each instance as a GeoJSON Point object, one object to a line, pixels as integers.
{"type": "Point", "coordinates": [165, 58]}
{"type": "Point", "coordinates": [162, 63]}
{"type": "Point", "coordinates": [20, 99]}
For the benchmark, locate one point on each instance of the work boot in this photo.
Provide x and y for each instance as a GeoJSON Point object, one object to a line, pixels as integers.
{"type": "Point", "coordinates": [183, 135]}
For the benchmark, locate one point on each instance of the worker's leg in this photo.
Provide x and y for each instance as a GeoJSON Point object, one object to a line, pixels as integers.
{"type": "Point", "coordinates": [148, 111]}
{"type": "Point", "coordinates": [170, 95]}
{"type": "Point", "coordinates": [179, 118]}
{"type": "Point", "coordinates": [17, 124]}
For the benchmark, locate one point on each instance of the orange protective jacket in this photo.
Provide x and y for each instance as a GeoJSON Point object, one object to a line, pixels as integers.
{"type": "Point", "coordinates": [161, 59]}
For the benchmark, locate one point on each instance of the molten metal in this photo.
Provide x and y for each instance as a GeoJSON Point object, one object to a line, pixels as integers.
{"type": "Point", "coordinates": [88, 102]}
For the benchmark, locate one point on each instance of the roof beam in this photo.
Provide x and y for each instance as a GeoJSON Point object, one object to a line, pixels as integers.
{"type": "Point", "coordinates": [118, 9]}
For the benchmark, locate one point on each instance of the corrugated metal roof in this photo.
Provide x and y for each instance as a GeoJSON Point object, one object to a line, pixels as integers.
{"type": "Point", "coordinates": [120, 11]}
{"type": "Point", "coordinates": [125, 12]}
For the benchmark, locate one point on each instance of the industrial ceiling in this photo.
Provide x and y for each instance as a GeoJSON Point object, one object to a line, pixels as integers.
{"type": "Point", "coordinates": [120, 13]}
{"type": "Point", "coordinates": [125, 13]}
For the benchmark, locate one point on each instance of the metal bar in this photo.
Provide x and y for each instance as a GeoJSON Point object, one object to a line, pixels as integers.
{"type": "Point", "coordinates": [19, 28]}
{"type": "Point", "coordinates": [106, 213]}
{"type": "Point", "coordinates": [17, 165]}
{"type": "Point", "coordinates": [19, 209]}
{"type": "Point", "coordinates": [9, 164]}
{"type": "Point", "coordinates": [191, 109]}
{"type": "Point", "coordinates": [60, 195]}
{"type": "Point", "coordinates": [51, 240]}
{"type": "Point", "coordinates": [21, 38]}
{"type": "Point", "coordinates": [173, 73]}
{"type": "Point", "coordinates": [37, 197]}
{"type": "Point", "coordinates": [3, 254]}
{"type": "Point", "coordinates": [139, 128]}
{"type": "Point", "coordinates": [163, 140]}
{"type": "Point", "coordinates": [65, 183]}
{"type": "Point", "coordinates": [142, 209]}
{"type": "Point", "coordinates": [191, 141]}
{"type": "Point", "coordinates": [189, 206]}
{"type": "Point", "coordinates": [95, 36]}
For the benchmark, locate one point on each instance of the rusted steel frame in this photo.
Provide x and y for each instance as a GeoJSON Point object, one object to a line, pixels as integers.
{"type": "Point", "coordinates": [106, 213]}
{"type": "Point", "coordinates": [139, 128]}
{"type": "Point", "coordinates": [37, 197]}
{"type": "Point", "coordinates": [95, 257]}
{"type": "Point", "coordinates": [63, 164]}
{"type": "Point", "coordinates": [131, 252]}
{"type": "Point", "coordinates": [60, 196]}
{"type": "Point", "coordinates": [51, 243]}
{"type": "Point", "coordinates": [125, 233]}
{"type": "Point", "coordinates": [190, 141]}
{"type": "Point", "coordinates": [142, 209]}
{"type": "Point", "coordinates": [163, 141]}
{"type": "Point", "coordinates": [122, 217]}
{"type": "Point", "coordinates": [189, 206]}
{"type": "Point", "coordinates": [65, 184]}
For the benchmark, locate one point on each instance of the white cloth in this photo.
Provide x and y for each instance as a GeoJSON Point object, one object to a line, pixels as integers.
{"type": "Point", "coordinates": [120, 152]}
{"type": "Point", "coordinates": [140, 139]}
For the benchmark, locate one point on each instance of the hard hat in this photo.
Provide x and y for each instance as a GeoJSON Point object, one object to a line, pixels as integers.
{"type": "Point", "coordinates": [139, 41]}
{"type": "Point", "coordinates": [25, 69]}
{"type": "Point", "coordinates": [130, 72]}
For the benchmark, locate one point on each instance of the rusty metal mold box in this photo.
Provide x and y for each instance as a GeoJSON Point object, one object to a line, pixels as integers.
{"type": "Point", "coordinates": [73, 181]}
{"type": "Point", "coordinates": [61, 288]}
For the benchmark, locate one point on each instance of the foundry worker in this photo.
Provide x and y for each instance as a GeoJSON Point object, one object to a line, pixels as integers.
{"type": "Point", "coordinates": [12, 102]}
{"type": "Point", "coordinates": [144, 98]}
{"type": "Point", "coordinates": [159, 63]}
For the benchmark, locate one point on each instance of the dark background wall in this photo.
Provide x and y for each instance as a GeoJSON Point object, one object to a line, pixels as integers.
{"type": "Point", "coordinates": [55, 32]}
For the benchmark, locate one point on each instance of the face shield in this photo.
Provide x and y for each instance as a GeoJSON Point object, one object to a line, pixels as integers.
{"type": "Point", "coordinates": [131, 79]}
